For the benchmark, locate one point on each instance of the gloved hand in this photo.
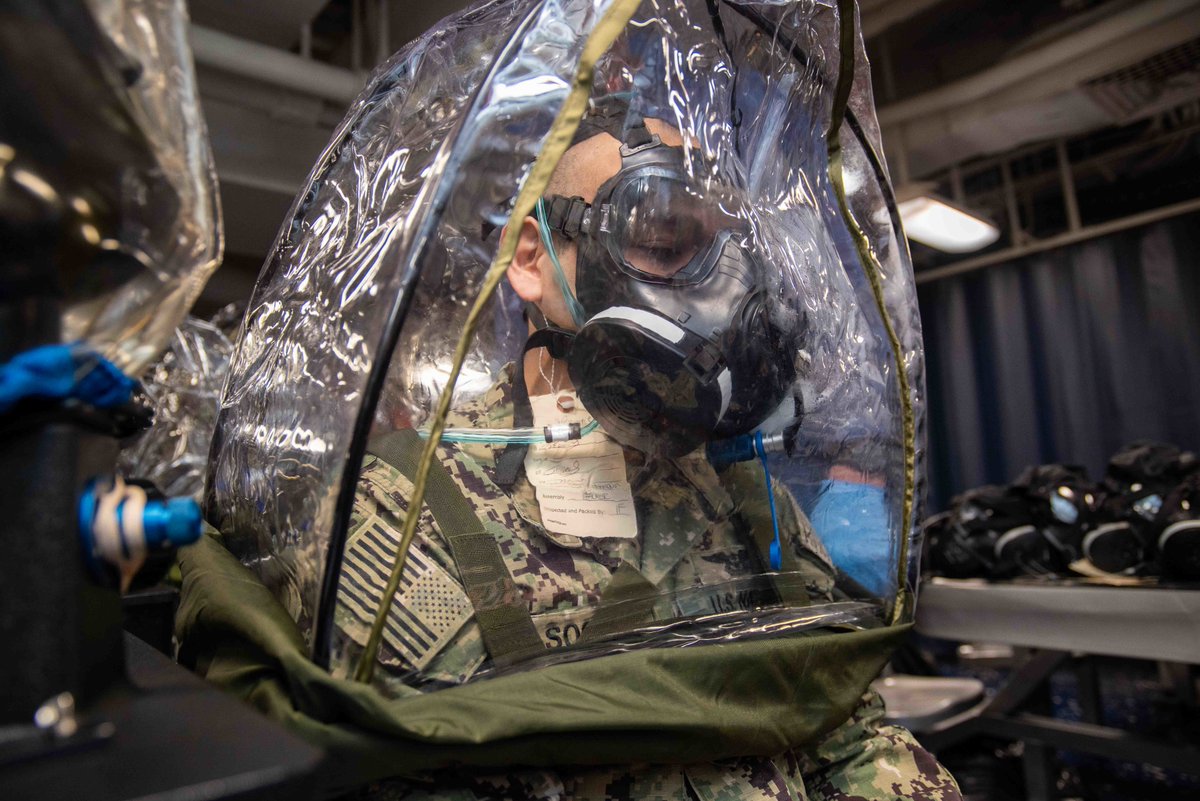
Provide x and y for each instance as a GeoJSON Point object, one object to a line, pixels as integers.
{"type": "Point", "coordinates": [852, 521]}
{"type": "Point", "coordinates": [63, 371]}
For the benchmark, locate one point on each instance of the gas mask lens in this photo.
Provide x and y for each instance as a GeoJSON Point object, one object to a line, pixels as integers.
{"type": "Point", "coordinates": [658, 225]}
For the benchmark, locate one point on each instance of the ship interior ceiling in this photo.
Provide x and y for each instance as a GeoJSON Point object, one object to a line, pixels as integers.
{"type": "Point", "coordinates": [966, 101]}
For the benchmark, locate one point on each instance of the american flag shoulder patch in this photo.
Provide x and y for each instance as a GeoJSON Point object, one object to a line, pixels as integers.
{"type": "Point", "coordinates": [429, 607]}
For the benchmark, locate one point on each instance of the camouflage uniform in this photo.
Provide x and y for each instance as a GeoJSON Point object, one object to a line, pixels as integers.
{"type": "Point", "coordinates": [861, 760]}
{"type": "Point", "coordinates": [694, 549]}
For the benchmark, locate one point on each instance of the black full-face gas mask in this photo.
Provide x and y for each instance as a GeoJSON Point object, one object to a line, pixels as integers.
{"type": "Point", "coordinates": [675, 342]}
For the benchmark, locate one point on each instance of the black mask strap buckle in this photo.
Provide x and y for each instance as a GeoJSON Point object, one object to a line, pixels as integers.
{"type": "Point", "coordinates": [568, 216]}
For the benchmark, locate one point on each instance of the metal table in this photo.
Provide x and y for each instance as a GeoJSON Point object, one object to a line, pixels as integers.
{"type": "Point", "coordinates": [1156, 623]}
{"type": "Point", "coordinates": [174, 738]}
{"type": "Point", "coordinates": [1064, 624]}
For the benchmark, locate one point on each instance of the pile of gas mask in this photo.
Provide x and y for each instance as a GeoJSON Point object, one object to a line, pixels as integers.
{"type": "Point", "coordinates": [1149, 525]}
{"type": "Point", "coordinates": [1140, 520]}
{"type": "Point", "coordinates": [987, 532]}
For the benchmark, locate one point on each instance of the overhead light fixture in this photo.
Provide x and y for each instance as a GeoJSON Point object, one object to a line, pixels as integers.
{"type": "Point", "coordinates": [940, 224]}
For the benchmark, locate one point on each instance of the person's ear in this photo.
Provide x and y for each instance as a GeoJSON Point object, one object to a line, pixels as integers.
{"type": "Point", "coordinates": [524, 272]}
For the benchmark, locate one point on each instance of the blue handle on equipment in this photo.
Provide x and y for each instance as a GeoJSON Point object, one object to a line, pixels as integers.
{"type": "Point", "coordinates": [722, 453]}
{"type": "Point", "coordinates": [725, 452]}
{"type": "Point", "coordinates": [171, 523]}
{"type": "Point", "coordinates": [120, 527]}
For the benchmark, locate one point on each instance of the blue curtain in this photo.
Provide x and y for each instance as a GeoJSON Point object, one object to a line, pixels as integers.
{"type": "Point", "coordinates": [1063, 356]}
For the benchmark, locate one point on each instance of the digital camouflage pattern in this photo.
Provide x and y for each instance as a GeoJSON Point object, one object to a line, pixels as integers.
{"type": "Point", "coordinates": [701, 548]}
{"type": "Point", "coordinates": [862, 760]}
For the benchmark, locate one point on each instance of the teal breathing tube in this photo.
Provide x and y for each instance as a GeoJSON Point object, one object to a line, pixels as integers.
{"type": "Point", "coordinates": [532, 435]}
{"type": "Point", "coordinates": [561, 432]}
{"type": "Point", "coordinates": [564, 286]}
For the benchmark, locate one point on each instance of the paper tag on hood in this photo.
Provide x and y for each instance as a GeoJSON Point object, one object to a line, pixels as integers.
{"type": "Point", "coordinates": [581, 485]}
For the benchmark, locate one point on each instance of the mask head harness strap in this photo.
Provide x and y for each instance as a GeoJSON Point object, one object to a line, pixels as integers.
{"type": "Point", "coordinates": [572, 216]}
{"type": "Point", "coordinates": [614, 116]}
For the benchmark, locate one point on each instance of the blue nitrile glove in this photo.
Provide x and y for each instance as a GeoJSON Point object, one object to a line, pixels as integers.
{"type": "Point", "coordinates": [63, 371]}
{"type": "Point", "coordinates": [852, 521]}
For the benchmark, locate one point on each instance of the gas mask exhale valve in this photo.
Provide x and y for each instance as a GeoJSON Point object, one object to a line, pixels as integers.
{"type": "Point", "coordinates": [674, 344]}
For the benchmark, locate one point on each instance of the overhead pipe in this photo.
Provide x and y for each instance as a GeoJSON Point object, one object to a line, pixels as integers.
{"type": "Point", "coordinates": [306, 41]}
{"type": "Point", "coordinates": [383, 44]}
{"type": "Point", "coordinates": [271, 65]}
{"type": "Point", "coordinates": [1015, 235]}
{"type": "Point", "coordinates": [1035, 62]}
{"type": "Point", "coordinates": [1032, 182]}
{"type": "Point", "coordinates": [1070, 201]}
{"type": "Point", "coordinates": [356, 34]}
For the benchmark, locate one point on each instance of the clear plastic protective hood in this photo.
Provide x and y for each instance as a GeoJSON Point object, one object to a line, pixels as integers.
{"type": "Point", "coordinates": [111, 212]}
{"type": "Point", "coordinates": [691, 413]}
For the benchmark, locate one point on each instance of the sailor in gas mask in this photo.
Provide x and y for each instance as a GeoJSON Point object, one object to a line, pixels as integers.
{"type": "Point", "coordinates": [669, 333]}
{"type": "Point", "coordinates": [651, 335]}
